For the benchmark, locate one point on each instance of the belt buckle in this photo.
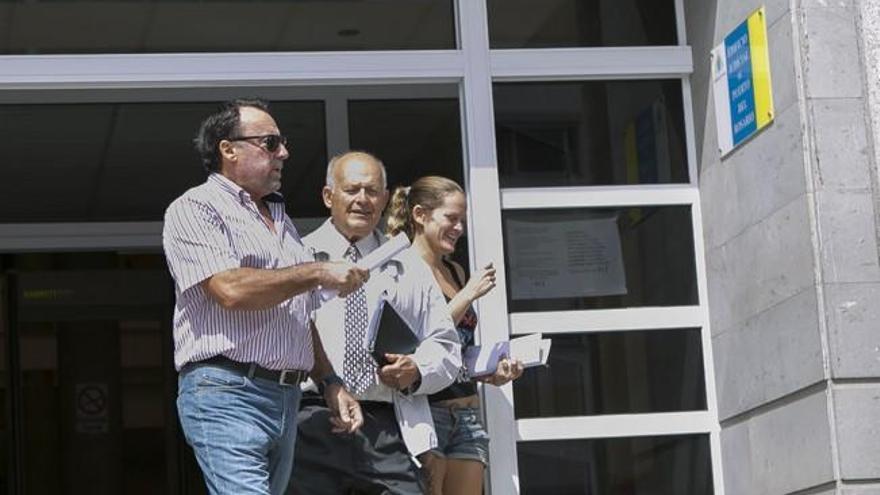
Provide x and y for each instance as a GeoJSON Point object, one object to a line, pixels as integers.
{"type": "Point", "coordinates": [295, 374]}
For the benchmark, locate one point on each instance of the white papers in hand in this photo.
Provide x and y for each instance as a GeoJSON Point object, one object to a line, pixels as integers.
{"type": "Point", "coordinates": [526, 349]}
{"type": "Point", "coordinates": [531, 350]}
{"type": "Point", "coordinates": [377, 258]}
{"type": "Point", "coordinates": [385, 252]}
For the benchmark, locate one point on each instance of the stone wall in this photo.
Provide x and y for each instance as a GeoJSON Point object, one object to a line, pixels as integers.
{"type": "Point", "coordinates": [792, 253]}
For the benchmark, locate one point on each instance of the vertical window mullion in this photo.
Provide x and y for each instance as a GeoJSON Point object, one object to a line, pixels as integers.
{"type": "Point", "coordinates": [690, 138]}
{"type": "Point", "coordinates": [708, 357]}
{"type": "Point", "coordinates": [681, 26]}
{"type": "Point", "coordinates": [484, 198]}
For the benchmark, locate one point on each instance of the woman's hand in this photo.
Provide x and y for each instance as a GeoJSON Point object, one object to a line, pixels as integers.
{"type": "Point", "coordinates": [480, 283]}
{"type": "Point", "coordinates": [507, 370]}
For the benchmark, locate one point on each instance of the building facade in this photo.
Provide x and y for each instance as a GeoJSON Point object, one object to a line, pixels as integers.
{"type": "Point", "coordinates": [790, 231]}
{"type": "Point", "coordinates": [713, 319]}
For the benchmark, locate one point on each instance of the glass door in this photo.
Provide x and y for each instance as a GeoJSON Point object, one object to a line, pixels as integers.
{"type": "Point", "coordinates": [97, 388]}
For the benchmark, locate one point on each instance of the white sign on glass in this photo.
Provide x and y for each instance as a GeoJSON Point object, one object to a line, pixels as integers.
{"type": "Point", "coordinates": [561, 258]}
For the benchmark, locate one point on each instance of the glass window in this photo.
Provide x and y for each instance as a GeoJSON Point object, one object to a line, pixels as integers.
{"type": "Point", "coordinates": [413, 138]}
{"type": "Point", "coordinates": [128, 161]}
{"type": "Point", "coordinates": [573, 23]}
{"type": "Point", "coordinates": [599, 258]}
{"type": "Point", "coordinates": [97, 162]}
{"type": "Point", "coordinates": [35, 27]}
{"type": "Point", "coordinates": [668, 465]}
{"type": "Point", "coordinates": [646, 371]}
{"type": "Point", "coordinates": [590, 133]}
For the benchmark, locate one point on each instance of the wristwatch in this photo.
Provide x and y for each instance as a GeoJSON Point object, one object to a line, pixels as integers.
{"type": "Point", "coordinates": [412, 386]}
{"type": "Point", "coordinates": [330, 379]}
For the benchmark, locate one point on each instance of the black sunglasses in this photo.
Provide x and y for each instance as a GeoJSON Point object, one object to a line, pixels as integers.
{"type": "Point", "coordinates": [269, 141]}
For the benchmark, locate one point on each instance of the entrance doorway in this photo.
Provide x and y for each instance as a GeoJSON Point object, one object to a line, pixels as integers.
{"type": "Point", "coordinates": [90, 382]}
{"type": "Point", "coordinates": [91, 387]}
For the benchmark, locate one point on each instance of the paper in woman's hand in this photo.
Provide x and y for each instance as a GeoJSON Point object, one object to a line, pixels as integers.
{"type": "Point", "coordinates": [531, 350]}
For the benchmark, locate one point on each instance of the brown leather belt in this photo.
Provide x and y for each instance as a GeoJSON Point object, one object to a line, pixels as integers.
{"type": "Point", "coordinates": [253, 370]}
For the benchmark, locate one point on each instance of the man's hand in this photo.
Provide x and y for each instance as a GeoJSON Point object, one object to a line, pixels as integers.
{"type": "Point", "coordinates": [400, 373]}
{"type": "Point", "coordinates": [347, 416]}
{"type": "Point", "coordinates": [506, 371]}
{"type": "Point", "coordinates": [343, 277]}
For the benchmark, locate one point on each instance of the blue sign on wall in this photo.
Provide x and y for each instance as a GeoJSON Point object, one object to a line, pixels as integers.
{"type": "Point", "coordinates": [739, 80]}
{"type": "Point", "coordinates": [741, 83]}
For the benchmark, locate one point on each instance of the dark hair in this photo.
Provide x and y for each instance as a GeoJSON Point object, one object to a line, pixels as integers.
{"type": "Point", "coordinates": [428, 192]}
{"type": "Point", "coordinates": [220, 125]}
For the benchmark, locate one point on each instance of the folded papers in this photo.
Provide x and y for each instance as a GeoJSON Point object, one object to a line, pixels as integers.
{"type": "Point", "coordinates": [530, 350]}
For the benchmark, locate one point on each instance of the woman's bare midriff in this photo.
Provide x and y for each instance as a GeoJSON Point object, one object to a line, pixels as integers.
{"type": "Point", "coordinates": [460, 402]}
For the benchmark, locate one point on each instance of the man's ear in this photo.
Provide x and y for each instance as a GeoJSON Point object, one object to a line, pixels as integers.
{"type": "Point", "coordinates": [227, 150]}
{"type": "Point", "coordinates": [327, 195]}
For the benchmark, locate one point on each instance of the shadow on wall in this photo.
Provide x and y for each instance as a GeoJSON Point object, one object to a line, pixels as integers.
{"type": "Point", "coordinates": [700, 20]}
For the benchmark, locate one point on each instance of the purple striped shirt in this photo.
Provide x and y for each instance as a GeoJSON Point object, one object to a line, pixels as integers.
{"type": "Point", "coordinates": [216, 227]}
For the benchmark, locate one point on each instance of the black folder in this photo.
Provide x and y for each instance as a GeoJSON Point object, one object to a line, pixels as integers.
{"type": "Point", "coordinates": [392, 335]}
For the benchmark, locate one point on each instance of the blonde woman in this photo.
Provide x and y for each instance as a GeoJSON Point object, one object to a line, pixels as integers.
{"type": "Point", "coordinates": [432, 213]}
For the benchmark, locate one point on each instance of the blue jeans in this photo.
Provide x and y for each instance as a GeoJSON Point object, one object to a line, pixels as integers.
{"type": "Point", "coordinates": [242, 430]}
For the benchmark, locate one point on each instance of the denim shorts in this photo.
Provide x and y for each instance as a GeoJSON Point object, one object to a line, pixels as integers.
{"type": "Point", "coordinates": [460, 434]}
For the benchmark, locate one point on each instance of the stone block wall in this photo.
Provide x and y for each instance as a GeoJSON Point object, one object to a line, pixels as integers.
{"type": "Point", "coordinates": [791, 238]}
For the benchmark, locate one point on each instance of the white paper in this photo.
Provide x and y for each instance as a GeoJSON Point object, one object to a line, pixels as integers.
{"type": "Point", "coordinates": [385, 252]}
{"type": "Point", "coordinates": [565, 258]}
{"type": "Point", "coordinates": [375, 259]}
{"type": "Point", "coordinates": [530, 350]}
{"type": "Point", "coordinates": [545, 350]}
{"type": "Point", "coordinates": [526, 349]}
{"type": "Point", "coordinates": [483, 359]}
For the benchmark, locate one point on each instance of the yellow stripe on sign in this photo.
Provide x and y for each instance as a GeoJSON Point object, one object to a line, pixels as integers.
{"type": "Point", "coordinates": [759, 52]}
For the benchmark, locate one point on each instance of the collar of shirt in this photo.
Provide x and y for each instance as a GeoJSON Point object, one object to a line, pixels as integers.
{"type": "Point", "coordinates": [327, 239]}
{"type": "Point", "coordinates": [226, 185]}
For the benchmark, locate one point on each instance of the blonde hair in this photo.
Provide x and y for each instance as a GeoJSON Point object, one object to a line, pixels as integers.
{"type": "Point", "coordinates": [428, 192]}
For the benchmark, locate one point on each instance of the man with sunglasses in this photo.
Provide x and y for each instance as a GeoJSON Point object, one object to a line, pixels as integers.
{"type": "Point", "coordinates": [243, 338]}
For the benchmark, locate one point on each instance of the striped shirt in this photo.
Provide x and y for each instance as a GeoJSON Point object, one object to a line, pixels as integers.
{"type": "Point", "coordinates": [216, 227]}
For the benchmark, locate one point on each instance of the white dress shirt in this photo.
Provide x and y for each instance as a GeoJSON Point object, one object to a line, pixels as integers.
{"type": "Point", "coordinates": [407, 283]}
